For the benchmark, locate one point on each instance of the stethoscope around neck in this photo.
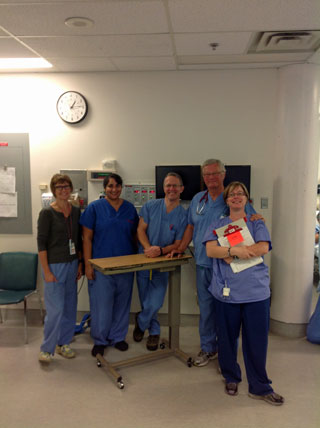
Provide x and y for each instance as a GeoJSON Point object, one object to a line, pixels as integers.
{"type": "Point", "coordinates": [202, 203]}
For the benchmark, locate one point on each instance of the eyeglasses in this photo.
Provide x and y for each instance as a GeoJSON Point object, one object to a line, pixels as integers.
{"type": "Point", "coordinates": [175, 186]}
{"type": "Point", "coordinates": [232, 195]}
{"type": "Point", "coordinates": [67, 186]}
{"type": "Point", "coordinates": [207, 174]}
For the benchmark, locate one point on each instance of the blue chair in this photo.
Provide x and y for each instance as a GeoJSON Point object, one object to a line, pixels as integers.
{"type": "Point", "coordinates": [18, 281]}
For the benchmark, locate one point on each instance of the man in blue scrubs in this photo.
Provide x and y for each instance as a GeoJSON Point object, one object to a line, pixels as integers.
{"type": "Point", "coordinates": [161, 227]}
{"type": "Point", "coordinates": [206, 207]}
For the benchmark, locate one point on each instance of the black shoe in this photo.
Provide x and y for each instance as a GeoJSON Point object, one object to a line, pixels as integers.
{"type": "Point", "coordinates": [122, 346]}
{"type": "Point", "coordinates": [97, 349]}
{"type": "Point", "coordinates": [153, 342]}
{"type": "Point", "coordinates": [137, 332]}
{"type": "Point", "coordinates": [231, 388]}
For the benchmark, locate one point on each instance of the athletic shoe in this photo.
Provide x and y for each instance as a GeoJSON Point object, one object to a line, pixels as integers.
{"type": "Point", "coordinates": [44, 357]}
{"type": "Point", "coordinates": [203, 358]}
{"type": "Point", "coordinates": [65, 351]}
{"type": "Point", "coordinates": [272, 398]}
{"type": "Point", "coordinates": [153, 342]}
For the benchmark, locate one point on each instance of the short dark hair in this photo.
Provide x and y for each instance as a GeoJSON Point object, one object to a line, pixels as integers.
{"type": "Point", "coordinates": [116, 178]}
{"type": "Point", "coordinates": [60, 178]}
{"type": "Point", "coordinates": [174, 174]}
{"type": "Point", "coordinates": [232, 186]}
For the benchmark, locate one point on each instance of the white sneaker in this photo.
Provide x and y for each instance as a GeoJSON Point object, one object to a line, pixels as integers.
{"type": "Point", "coordinates": [44, 357]}
{"type": "Point", "coordinates": [203, 358]}
{"type": "Point", "coordinates": [65, 351]}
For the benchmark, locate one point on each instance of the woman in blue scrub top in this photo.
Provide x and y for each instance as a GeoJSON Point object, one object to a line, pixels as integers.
{"type": "Point", "coordinates": [109, 230]}
{"type": "Point", "coordinates": [242, 301]}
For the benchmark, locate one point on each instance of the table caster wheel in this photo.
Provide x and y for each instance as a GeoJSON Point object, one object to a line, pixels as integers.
{"type": "Point", "coordinates": [120, 385]}
{"type": "Point", "coordinates": [98, 363]}
{"type": "Point", "coordinates": [190, 362]}
{"type": "Point", "coordinates": [162, 345]}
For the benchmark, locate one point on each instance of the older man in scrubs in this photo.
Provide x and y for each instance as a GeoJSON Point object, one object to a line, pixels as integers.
{"type": "Point", "coordinates": [161, 227]}
{"type": "Point", "coordinates": [206, 207]}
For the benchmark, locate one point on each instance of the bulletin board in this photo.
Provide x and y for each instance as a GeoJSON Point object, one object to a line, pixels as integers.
{"type": "Point", "coordinates": [14, 153]}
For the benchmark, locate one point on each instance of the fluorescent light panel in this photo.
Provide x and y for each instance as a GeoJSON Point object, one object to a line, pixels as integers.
{"type": "Point", "coordinates": [23, 63]}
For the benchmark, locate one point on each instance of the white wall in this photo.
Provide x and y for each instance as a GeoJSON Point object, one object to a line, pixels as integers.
{"type": "Point", "coordinates": [144, 119]}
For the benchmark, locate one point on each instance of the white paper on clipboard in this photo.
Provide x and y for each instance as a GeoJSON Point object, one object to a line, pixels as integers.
{"type": "Point", "coordinates": [238, 226]}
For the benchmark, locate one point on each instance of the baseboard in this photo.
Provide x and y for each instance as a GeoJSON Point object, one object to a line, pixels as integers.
{"type": "Point", "coordinates": [293, 331]}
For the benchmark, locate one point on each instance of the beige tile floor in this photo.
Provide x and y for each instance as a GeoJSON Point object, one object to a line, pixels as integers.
{"type": "Point", "coordinates": [163, 393]}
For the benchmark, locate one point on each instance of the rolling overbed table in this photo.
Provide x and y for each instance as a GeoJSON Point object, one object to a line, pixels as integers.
{"type": "Point", "coordinates": [133, 263]}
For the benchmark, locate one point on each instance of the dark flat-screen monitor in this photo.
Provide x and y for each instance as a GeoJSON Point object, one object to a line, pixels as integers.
{"type": "Point", "coordinates": [238, 173]}
{"type": "Point", "coordinates": [191, 177]}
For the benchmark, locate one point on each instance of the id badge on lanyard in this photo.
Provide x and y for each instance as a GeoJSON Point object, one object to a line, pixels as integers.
{"type": "Point", "coordinates": [72, 247]}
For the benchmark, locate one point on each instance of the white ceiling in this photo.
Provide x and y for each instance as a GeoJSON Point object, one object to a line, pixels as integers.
{"type": "Point", "coordinates": [144, 35]}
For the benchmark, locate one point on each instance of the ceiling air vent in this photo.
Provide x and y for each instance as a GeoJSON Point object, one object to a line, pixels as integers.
{"type": "Point", "coordinates": [286, 41]}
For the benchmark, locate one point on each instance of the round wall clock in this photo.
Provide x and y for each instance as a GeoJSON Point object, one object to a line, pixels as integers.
{"type": "Point", "coordinates": [72, 107]}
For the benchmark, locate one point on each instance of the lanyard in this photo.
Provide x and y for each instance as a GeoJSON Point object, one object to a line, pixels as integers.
{"type": "Point", "coordinates": [68, 221]}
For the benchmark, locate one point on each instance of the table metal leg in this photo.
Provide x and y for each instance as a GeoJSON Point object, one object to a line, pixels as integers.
{"type": "Point", "coordinates": [167, 348]}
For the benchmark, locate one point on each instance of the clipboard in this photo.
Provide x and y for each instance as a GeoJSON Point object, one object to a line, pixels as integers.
{"type": "Point", "coordinates": [237, 234]}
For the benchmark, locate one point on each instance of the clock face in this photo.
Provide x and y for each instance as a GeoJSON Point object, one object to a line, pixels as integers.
{"type": "Point", "coordinates": [72, 107]}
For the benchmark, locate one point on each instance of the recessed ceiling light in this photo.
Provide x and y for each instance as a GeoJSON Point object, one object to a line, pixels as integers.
{"type": "Point", "coordinates": [78, 22]}
{"type": "Point", "coordinates": [21, 63]}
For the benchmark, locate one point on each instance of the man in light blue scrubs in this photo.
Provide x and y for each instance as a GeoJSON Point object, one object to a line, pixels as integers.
{"type": "Point", "coordinates": [206, 207]}
{"type": "Point", "coordinates": [161, 227]}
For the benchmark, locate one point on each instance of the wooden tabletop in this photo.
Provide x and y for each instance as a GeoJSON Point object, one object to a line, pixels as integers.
{"type": "Point", "coordinates": [136, 260]}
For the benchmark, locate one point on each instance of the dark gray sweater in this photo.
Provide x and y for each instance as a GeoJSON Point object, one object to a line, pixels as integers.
{"type": "Point", "coordinates": [54, 231]}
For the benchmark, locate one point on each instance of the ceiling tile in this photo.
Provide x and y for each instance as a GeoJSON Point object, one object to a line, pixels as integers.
{"type": "Point", "coordinates": [199, 44]}
{"type": "Point", "coordinates": [315, 58]}
{"type": "Point", "coordinates": [11, 48]}
{"type": "Point", "coordinates": [244, 15]}
{"type": "Point", "coordinates": [82, 64]}
{"type": "Point", "coordinates": [110, 17]}
{"type": "Point", "coordinates": [252, 58]}
{"type": "Point", "coordinates": [145, 64]}
{"type": "Point", "coordinates": [140, 45]}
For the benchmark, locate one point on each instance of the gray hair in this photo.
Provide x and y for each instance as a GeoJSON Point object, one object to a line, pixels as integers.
{"type": "Point", "coordinates": [214, 162]}
{"type": "Point", "coordinates": [174, 174]}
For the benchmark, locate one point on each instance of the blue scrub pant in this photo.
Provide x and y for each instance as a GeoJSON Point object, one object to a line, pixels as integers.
{"type": "Point", "coordinates": [151, 294]}
{"type": "Point", "coordinates": [207, 324]}
{"type": "Point", "coordinates": [110, 299]}
{"type": "Point", "coordinates": [60, 300]}
{"type": "Point", "coordinates": [253, 318]}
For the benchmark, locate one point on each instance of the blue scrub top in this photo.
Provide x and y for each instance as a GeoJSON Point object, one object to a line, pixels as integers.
{"type": "Point", "coordinates": [203, 211]}
{"type": "Point", "coordinates": [113, 231]}
{"type": "Point", "coordinates": [163, 228]}
{"type": "Point", "coordinates": [250, 285]}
